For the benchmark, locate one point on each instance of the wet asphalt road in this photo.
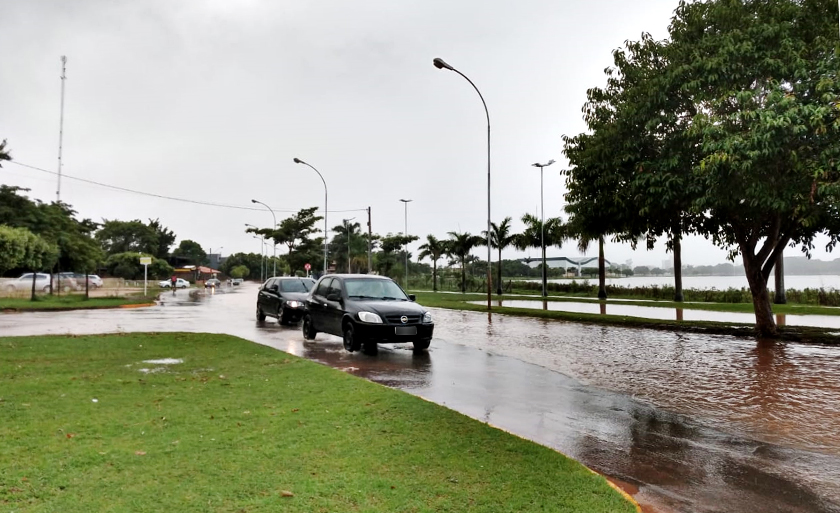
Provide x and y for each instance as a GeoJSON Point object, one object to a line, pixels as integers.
{"type": "Point", "coordinates": [686, 423]}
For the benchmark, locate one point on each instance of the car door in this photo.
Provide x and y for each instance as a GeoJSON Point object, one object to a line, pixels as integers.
{"type": "Point", "coordinates": [317, 302]}
{"type": "Point", "coordinates": [334, 308]}
{"type": "Point", "coordinates": [264, 299]}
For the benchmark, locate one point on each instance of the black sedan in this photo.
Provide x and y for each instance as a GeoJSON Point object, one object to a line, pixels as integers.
{"type": "Point", "coordinates": [366, 310]}
{"type": "Point", "coordinates": [283, 298]}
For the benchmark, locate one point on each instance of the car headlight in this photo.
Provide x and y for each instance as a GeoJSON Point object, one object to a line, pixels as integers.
{"type": "Point", "coordinates": [427, 317]}
{"type": "Point", "coordinates": [370, 317]}
{"type": "Point", "coordinates": [294, 304]}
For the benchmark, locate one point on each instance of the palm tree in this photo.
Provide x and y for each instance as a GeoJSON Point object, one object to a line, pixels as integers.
{"type": "Point", "coordinates": [500, 237]}
{"type": "Point", "coordinates": [434, 249]}
{"type": "Point", "coordinates": [554, 233]}
{"type": "Point", "coordinates": [459, 246]}
{"type": "Point", "coordinates": [4, 153]}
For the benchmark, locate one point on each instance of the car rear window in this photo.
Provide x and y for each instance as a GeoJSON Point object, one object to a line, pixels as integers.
{"type": "Point", "coordinates": [296, 285]}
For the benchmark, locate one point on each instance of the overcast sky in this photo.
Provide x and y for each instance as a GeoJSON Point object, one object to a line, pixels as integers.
{"type": "Point", "coordinates": [211, 100]}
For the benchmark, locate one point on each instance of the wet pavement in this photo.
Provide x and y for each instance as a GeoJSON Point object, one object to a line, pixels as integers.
{"type": "Point", "coordinates": [687, 422]}
{"type": "Point", "coordinates": [654, 312]}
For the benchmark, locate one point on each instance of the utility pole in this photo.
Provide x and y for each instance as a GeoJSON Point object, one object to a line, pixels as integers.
{"type": "Point", "coordinates": [61, 126]}
{"type": "Point", "coordinates": [370, 242]}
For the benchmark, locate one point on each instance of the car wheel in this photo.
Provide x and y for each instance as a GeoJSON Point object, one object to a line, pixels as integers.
{"type": "Point", "coordinates": [369, 347]}
{"type": "Point", "coordinates": [10, 288]}
{"type": "Point", "coordinates": [351, 341]}
{"type": "Point", "coordinates": [421, 345]}
{"type": "Point", "coordinates": [282, 318]}
{"type": "Point", "coordinates": [260, 314]}
{"type": "Point", "coordinates": [308, 329]}
{"type": "Point", "coordinates": [46, 288]}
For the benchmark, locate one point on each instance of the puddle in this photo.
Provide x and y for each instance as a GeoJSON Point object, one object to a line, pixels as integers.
{"type": "Point", "coordinates": [664, 313]}
{"type": "Point", "coordinates": [165, 361]}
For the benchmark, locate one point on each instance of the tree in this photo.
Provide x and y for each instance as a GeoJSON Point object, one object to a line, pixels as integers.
{"type": "Point", "coordinates": [296, 233]}
{"type": "Point", "coordinates": [500, 238]}
{"type": "Point", "coordinates": [191, 252]}
{"type": "Point", "coordinates": [240, 271]}
{"type": "Point", "coordinates": [459, 246]}
{"type": "Point", "coordinates": [750, 158]}
{"type": "Point", "coordinates": [390, 245]}
{"type": "Point", "coordinates": [165, 239]}
{"type": "Point", "coordinates": [126, 236]}
{"type": "Point", "coordinates": [433, 249]}
{"type": "Point", "coordinates": [4, 153]}
{"type": "Point", "coordinates": [22, 250]}
{"type": "Point", "coordinates": [252, 261]}
{"type": "Point", "coordinates": [127, 266]}
{"type": "Point", "coordinates": [341, 251]}
{"type": "Point", "coordinates": [553, 233]}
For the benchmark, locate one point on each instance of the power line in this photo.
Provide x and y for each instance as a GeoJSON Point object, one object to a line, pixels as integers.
{"type": "Point", "coordinates": [161, 196]}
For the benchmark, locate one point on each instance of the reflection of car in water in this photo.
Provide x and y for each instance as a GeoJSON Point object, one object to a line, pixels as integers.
{"type": "Point", "coordinates": [366, 310]}
{"type": "Point", "coordinates": [212, 282]}
{"type": "Point", "coordinates": [179, 284]}
{"type": "Point", "coordinates": [283, 298]}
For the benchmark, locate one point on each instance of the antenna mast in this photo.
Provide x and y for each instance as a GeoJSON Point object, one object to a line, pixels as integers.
{"type": "Point", "coordinates": [61, 126]}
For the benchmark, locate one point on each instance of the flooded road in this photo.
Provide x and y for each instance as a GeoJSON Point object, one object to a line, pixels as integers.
{"type": "Point", "coordinates": [687, 422]}
{"type": "Point", "coordinates": [654, 312]}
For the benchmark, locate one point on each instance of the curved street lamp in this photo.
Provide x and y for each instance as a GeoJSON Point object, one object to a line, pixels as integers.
{"type": "Point", "coordinates": [406, 202]}
{"type": "Point", "coordinates": [262, 249]}
{"type": "Point", "coordinates": [441, 64]}
{"type": "Point", "coordinates": [542, 226]}
{"type": "Point", "coordinates": [274, 243]}
{"type": "Point", "coordinates": [298, 161]}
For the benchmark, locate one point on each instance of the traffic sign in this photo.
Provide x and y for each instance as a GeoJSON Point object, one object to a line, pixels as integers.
{"type": "Point", "coordinates": [307, 266]}
{"type": "Point", "coordinates": [145, 260]}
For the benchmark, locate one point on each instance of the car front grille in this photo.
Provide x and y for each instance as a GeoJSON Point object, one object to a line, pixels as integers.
{"type": "Point", "coordinates": [395, 319]}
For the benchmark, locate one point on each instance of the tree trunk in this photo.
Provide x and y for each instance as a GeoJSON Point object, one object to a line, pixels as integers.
{"type": "Point", "coordinates": [463, 276]}
{"type": "Point", "coordinates": [765, 325]}
{"type": "Point", "coordinates": [34, 275]}
{"type": "Point", "coordinates": [678, 290]}
{"type": "Point", "coordinates": [434, 276]}
{"type": "Point", "coordinates": [779, 270]}
{"type": "Point", "coordinates": [499, 283]}
{"type": "Point", "coordinates": [602, 270]}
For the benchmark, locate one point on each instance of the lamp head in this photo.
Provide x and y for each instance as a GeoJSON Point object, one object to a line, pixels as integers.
{"type": "Point", "coordinates": [441, 64]}
{"type": "Point", "coordinates": [297, 160]}
{"type": "Point", "coordinates": [253, 201]}
{"type": "Point", "coordinates": [406, 201]}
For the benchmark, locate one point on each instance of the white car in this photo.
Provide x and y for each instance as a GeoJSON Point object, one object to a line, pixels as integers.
{"type": "Point", "coordinates": [94, 280]}
{"type": "Point", "coordinates": [42, 282]}
{"type": "Point", "coordinates": [180, 283]}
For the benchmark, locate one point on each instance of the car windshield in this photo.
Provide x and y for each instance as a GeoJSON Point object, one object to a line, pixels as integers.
{"type": "Point", "coordinates": [296, 285]}
{"type": "Point", "coordinates": [373, 288]}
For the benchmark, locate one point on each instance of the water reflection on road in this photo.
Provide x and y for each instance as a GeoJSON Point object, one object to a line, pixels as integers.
{"type": "Point", "coordinates": [697, 423]}
{"type": "Point", "coordinates": [654, 312]}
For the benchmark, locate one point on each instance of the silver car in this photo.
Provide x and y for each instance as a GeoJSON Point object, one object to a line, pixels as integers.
{"type": "Point", "coordinates": [42, 282]}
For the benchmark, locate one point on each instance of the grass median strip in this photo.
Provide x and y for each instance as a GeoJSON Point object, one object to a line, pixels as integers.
{"type": "Point", "coordinates": [70, 302]}
{"type": "Point", "coordinates": [197, 422]}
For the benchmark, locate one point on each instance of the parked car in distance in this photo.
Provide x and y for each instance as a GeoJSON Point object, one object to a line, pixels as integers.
{"type": "Point", "coordinates": [237, 281]}
{"type": "Point", "coordinates": [366, 310]}
{"type": "Point", "coordinates": [42, 283]}
{"type": "Point", "coordinates": [74, 281]}
{"type": "Point", "coordinates": [283, 298]}
{"type": "Point", "coordinates": [212, 282]}
{"type": "Point", "coordinates": [180, 283]}
{"type": "Point", "coordinates": [94, 281]}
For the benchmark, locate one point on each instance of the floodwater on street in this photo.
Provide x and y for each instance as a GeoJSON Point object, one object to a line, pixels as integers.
{"type": "Point", "coordinates": [686, 422]}
{"type": "Point", "coordinates": [669, 313]}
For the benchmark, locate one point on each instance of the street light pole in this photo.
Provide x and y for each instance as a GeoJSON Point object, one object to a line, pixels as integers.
{"type": "Point", "coordinates": [298, 161]}
{"type": "Point", "coordinates": [274, 243]}
{"type": "Point", "coordinates": [262, 257]}
{"type": "Point", "coordinates": [347, 231]}
{"type": "Point", "coordinates": [542, 227]}
{"type": "Point", "coordinates": [406, 202]}
{"type": "Point", "coordinates": [441, 64]}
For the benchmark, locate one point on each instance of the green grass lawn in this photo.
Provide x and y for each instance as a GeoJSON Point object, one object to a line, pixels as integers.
{"type": "Point", "coordinates": [69, 302]}
{"type": "Point", "coordinates": [245, 428]}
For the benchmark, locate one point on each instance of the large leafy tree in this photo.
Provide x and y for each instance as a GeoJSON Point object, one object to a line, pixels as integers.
{"type": "Point", "coordinates": [750, 157]}
{"type": "Point", "coordinates": [501, 237]}
{"type": "Point", "coordinates": [349, 243]}
{"type": "Point", "coordinates": [459, 246]}
{"type": "Point", "coordinates": [553, 232]}
{"type": "Point", "coordinates": [391, 248]}
{"type": "Point", "coordinates": [297, 233]}
{"type": "Point", "coordinates": [57, 224]}
{"type": "Point", "coordinates": [191, 252]}
{"type": "Point", "coordinates": [127, 236]}
{"type": "Point", "coordinates": [165, 238]}
{"type": "Point", "coordinates": [22, 250]}
{"type": "Point", "coordinates": [127, 265]}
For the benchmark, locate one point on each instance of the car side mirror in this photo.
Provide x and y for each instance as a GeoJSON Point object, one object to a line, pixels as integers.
{"type": "Point", "coordinates": [333, 297]}
{"type": "Point", "coordinates": [273, 288]}
{"type": "Point", "coordinates": [412, 297]}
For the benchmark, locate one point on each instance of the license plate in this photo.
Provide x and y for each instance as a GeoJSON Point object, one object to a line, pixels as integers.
{"type": "Point", "coordinates": [406, 330]}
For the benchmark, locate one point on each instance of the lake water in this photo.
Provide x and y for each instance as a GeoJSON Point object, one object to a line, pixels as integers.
{"type": "Point", "coordinates": [827, 281]}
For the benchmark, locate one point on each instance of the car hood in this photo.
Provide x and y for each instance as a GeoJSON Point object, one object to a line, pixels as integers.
{"type": "Point", "coordinates": [387, 307]}
{"type": "Point", "coordinates": [295, 296]}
